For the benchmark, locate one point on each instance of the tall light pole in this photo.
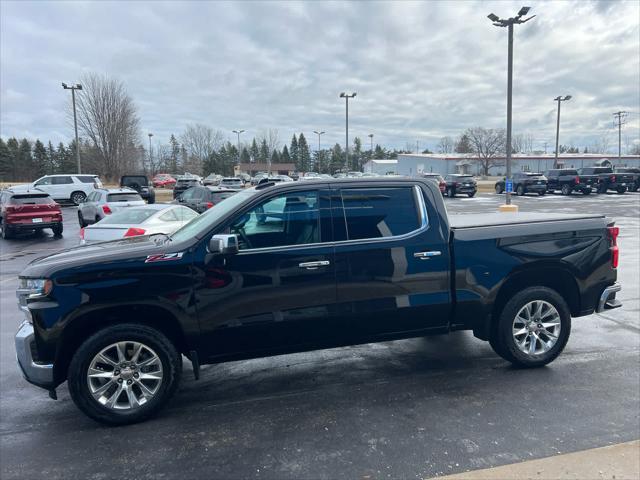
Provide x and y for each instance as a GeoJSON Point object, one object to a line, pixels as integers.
{"type": "Point", "coordinates": [510, 22]}
{"type": "Point", "coordinates": [319, 133]}
{"type": "Point", "coordinates": [238, 132]}
{"type": "Point", "coordinates": [620, 116]}
{"type": "Point", "coordinates": [73, 89]}
{"type": "Point", "coordinates": [559, 99]}
{"type": "Point", "coordinates": [150, 162]}
{"type": "Point", "coordinates": [346, 97]}
{"type": "Point", "coordinates": [371, 152]}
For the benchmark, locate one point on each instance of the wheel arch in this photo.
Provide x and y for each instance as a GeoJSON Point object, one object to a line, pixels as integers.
{"type": "Point", "coordinates": [87, 324]}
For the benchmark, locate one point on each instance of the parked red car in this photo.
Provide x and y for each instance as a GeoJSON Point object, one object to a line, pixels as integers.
{"type": "Point", "coordinates": [30, 210]}
{"type": "Point", "coordinates": [163, 180]}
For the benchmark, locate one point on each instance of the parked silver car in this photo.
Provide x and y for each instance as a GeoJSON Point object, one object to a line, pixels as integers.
{"type": "Point", "coordinates": [132, 222]}
{"type": "Point", "coordinates": [232, 183]}
{"type": "Point", "coordinates": [105, 201]}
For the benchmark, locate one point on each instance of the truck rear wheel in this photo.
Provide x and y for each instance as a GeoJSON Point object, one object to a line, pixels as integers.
{"type": "Point", "coordinates": [566, 189]}
{"type": "Point", "coordinates": [533, 328]}
{"type": "Point", "coordinates": [124, 374]}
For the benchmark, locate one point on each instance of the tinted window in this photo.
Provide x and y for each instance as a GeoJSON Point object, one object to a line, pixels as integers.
{"type": "Point", "coordinates": [134, 181]}
{"type": "Point", "coordinates": [61, 180]}
{"type": "Point", "coordinates": [569, 172]}
{"type": "Point", "coordinates": [31, 200]}
{"type": "Point", "coordinates": [189, 194]}
{"type": "Point", "coordinates": [86, 178]}
{"type": "Point", "coordinates": [130, 216]}
{"type": "Point", "coordinates": [123, 197]}
{"type": "Point", "coordinates": [379, 212]}
{"type": "Point", "coordinates": [218, 197]}
{"type": "Point", "coordinates": [289, 219]}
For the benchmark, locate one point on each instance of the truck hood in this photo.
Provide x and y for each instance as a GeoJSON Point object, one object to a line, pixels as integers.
{"type": "Point", "coordinates": [129, 249]}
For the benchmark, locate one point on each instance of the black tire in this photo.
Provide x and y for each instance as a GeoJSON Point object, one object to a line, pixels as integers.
{"type": "Point", "coordinates": [520, 190]}
{"type": "Point", "coordinates": [450, 193]}
{"type": "Point", "coordinates": [6, 233]}
{"type": "Point", "coordinates": [81, 221]}
{"type": "Point", "coordinates": [566, 189]}
{"type": "Point", "coordinates": [169, 357]}
{"type": "Point", "coordinates": [540, 194]}
{"type": "Point", "coordinates": [57, 230]}
{"type": "Point", "coordinates": [96, 220]}
{"type": "Point", "coordinates": [471, 194]}
{"type": "Point", "coordinates": [621, 190]}
{"type": "Point", "coordinates": [78, 197]}
{"type": "Point", "coordinates": [499, 189]}
{"type": "Point", "coordinates": [503, 341]}
{"type": "Point", "coordinates": [152, 198]}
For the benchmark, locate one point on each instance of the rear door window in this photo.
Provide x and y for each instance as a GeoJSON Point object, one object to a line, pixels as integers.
{"type": "Point", "coordinates": [86, 178]}
{"type": "Point", "coordinates": [379, 212]}
{"type": "Point", "coordinates": [61, 180]}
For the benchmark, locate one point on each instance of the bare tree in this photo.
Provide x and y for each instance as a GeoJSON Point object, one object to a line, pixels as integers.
{"type": "Point", "coordinates": [108, 118]}
{"type": "Point", "coordinates": [487, 144]}
{"type": "Point", "coordinates": [200, 141]}
{"type": "Point", "coordinates": [528, 142]}
{"type": "Point", "coordinates": [445, 145]}
{"type": "Point", "coordinates": [601, 144]}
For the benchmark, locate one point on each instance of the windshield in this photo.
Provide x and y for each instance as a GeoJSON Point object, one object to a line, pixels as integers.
{"type": "Point", "coordinates": [129, 216]}
{"type": "Point", "coordinates": [200, 225]}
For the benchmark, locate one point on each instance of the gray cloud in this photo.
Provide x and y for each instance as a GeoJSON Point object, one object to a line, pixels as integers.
{"type": "Point", "coordinates": [421, 69]}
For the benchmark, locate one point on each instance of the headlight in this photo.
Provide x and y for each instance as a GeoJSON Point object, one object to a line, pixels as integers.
{"type": "Point", "coordinates": [36, 286]}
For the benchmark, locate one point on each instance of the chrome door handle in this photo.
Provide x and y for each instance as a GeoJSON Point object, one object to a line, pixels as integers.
{"type": "Point", "coordinates": [314, 265]}
{"type": "Point", "coordinates": [427, 255]}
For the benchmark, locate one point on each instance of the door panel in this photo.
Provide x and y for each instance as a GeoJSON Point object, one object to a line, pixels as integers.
{"type": "Point", "coordinates": [398, 284]}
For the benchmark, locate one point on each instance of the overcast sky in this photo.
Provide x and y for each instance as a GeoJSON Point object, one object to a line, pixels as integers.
{"type": "Point", "coordinates": [421, 70]}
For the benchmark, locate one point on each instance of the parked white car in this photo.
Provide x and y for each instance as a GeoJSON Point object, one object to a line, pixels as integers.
{"type": "Point", "coordinates": [135, 221]}
{"type": "Point", "coordinates": [106, 201]}
{"type": "Point", "coordinates": [73, 188]}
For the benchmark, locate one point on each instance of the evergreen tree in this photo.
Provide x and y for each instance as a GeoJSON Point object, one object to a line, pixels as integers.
{"type": "Point", "coordinates": [254, 152]}
{"type": "Point", "coordinates": [5, 162]}
{"type": "Point", "coordinates": [464, 144]}
{"type": "Point", "coordinates": [264, 152]}
{"type": "Point", "coordinates": [13, 147]}
{"type": "Point", "coordinates": [293, 150]}
{"type": "Point", "coordinates": [174, 155]}
{"type": "Point", "coordinates": [26, 170]}
{"type": "Point", "coordinates": [285, 157]}
{"type": "Point", "coordinates": [304, 156]}
{"type": "Point", "coordinates": [52, 159]}
{"type": "Point", "coordinates": [379, 153]}
{"type": "Point", "coordinates": [356, 154]}
{"type": "Point", "coordinates": [63, 158]}
{"type": "Point", "coordinates": [40, 159]}
{"type": "Point", "coordinates": [337, 158]}
{"type": "Point", "coordinates": [275, 157]}
{"type": "Point", "coordinates": [244, 156]}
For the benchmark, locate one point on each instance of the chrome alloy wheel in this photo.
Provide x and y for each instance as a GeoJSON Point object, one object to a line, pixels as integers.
{"type": "Point", "coordinates": [536, 327]}
{"type": "Point", "coordinates": [125, 375]}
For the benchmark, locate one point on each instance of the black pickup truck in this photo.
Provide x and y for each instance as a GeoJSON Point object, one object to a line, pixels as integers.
{"type": "Point", "coordinates": [568, 181]}
{"type": "Point", "coordinates": [300, 266]}
{"type": "Point", "coordinates": [635, 176]}
{"type": "Point", "coordinates": [607, 179]}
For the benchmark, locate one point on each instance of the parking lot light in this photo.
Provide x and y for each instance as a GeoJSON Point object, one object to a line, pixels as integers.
{"type": "Point", "coordinates": [558, 99]}
{"type": "Point", "coordinates": [73, 89]}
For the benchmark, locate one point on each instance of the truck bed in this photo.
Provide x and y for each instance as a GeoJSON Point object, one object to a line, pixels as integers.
{"type": "Point", "coordinates": [475, 220]}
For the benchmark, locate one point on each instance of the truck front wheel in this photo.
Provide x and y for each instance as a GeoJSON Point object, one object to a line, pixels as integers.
{"type": "Point", "coordinates": [533, 328]}
{"type": "Point", "coordinates": [124, 374]}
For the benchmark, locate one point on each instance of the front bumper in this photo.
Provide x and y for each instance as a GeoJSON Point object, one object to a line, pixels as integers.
{"type": "Point", "coordinates": [608, 299]}
{"type": "Point", "coordinates": [39, 374]}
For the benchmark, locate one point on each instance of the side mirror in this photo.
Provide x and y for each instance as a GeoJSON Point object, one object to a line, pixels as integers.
{"type": "Point", "coordinates": [224, 244]}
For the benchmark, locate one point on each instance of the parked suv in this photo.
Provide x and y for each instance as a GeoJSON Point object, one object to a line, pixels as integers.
{"type": "Point", "coordinates": [65, 188]}
{"type": "Point", "coordinates": [457, 183]}
{"type": "Point", "coordinates": [103, 202]}
{"type": "Point", "coordinates": [232, 183]}
{"type": "Point", "coordinates": [183, 183]}
{"type": "Point", "coordinates": [635, 176]}
{"type": "Point", "coordinates": [30, 210]}
{"type": "Point", "coordinates": [201, 199]}
{"type": "Point", "coordinates": [141, 184]}
{"type": "Point", "coordinates": [525, 182]}
{"type": "Point", "coordinates": [568, 181]}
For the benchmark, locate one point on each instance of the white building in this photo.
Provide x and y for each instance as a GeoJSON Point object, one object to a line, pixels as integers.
{"type": "Point", "coordinates": [415, 164]}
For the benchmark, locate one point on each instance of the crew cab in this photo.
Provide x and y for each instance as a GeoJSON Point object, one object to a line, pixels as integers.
{"type": "Point", "coordinates": [298, 266]}
{"type": "Point", "coordinates": [607, 179]}
{"type": "Point", "coordinates": [568, 181]}
{"type": "Point", "coordinates": [635, 176]}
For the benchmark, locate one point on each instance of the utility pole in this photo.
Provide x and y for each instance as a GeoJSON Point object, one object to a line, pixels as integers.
{"type": "Point", "coordinates": [545, 147]}
{"type": "Point", "coordinates": [371, 153]}
{"type": "Point", "coordinates": [319, 133]}
{"type": "Point", "coordinates": [150, 159]}
{"type": "Point", "coordinates": [510, 22]}
{"type": "Point", "coordinates": [417, 148]}
{"type": "Point", "coordinates": [620, 117]}
{"type": "Point", "coordinates": [559, 99]}
{"type": "Point", "coordinates": [73, 89]}
{"type": "Point", "coordinates": [347, 96]}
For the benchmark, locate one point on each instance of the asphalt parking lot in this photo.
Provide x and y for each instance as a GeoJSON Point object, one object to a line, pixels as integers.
{"type": "Point", "coordinates": [405, 409]}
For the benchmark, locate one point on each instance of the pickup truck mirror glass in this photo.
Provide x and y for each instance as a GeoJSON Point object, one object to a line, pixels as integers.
{"type": "Point", "coordinates": [224, 244]}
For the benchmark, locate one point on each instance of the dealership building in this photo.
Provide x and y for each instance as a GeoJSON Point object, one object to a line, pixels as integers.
{"type": "Point", "coordinates": [416, 164]}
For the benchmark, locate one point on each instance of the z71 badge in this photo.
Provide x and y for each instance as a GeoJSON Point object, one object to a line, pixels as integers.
{"type": "Point", "coordinates": [163, 257]}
